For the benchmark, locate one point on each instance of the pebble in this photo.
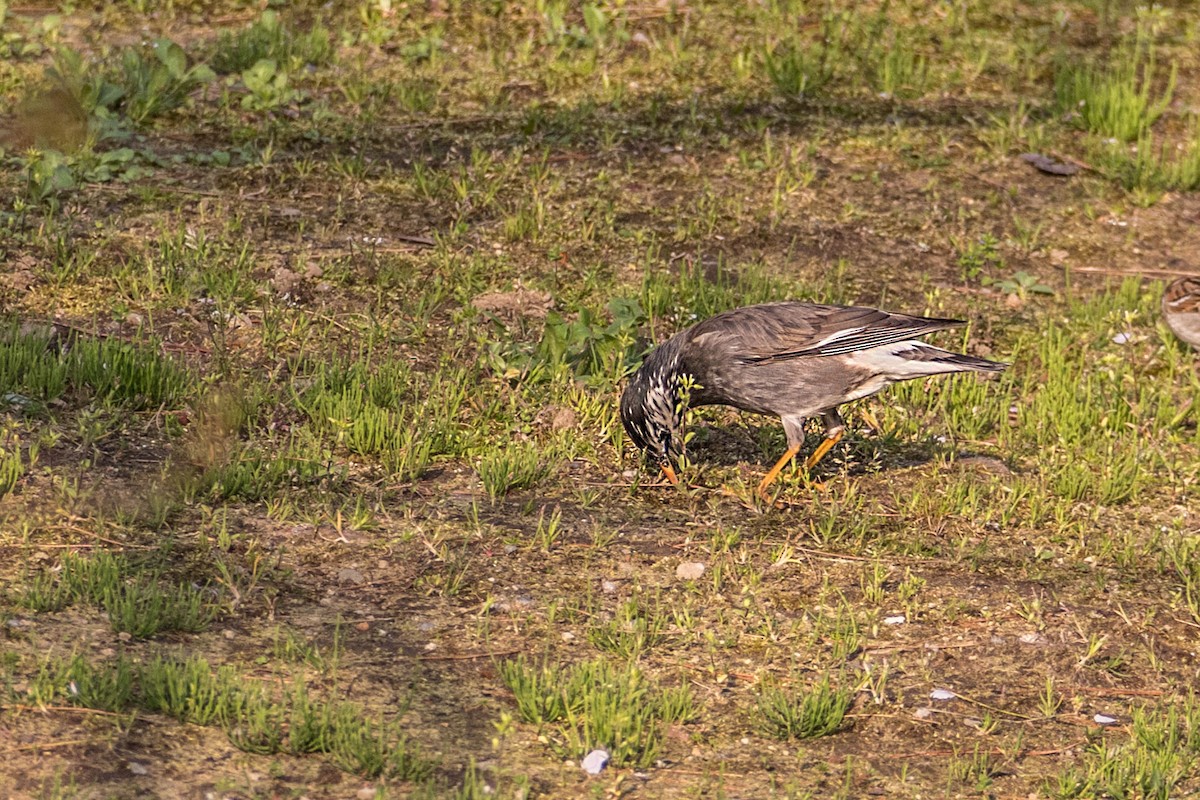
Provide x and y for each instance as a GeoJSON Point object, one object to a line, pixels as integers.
{"type": "Point", "coordinates": [349, 575]}
{"type": "Point", "coordinates": [138, 769]}
{"type": "Point", "coordinates": [689, 571]}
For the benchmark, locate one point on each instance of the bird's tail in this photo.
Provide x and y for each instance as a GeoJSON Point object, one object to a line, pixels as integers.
{"type": "Point", "coordinates": [973, 363]}
{"type": "Point", "coordinates": [913, 359]}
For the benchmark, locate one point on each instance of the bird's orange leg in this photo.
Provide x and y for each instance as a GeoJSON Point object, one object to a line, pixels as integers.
{"type": "Point", "coordinates": [669, 473]}
{"type": "Point", "coordinates": [770, 477]}
{"type": "Point", "coordinates": [832, 438]}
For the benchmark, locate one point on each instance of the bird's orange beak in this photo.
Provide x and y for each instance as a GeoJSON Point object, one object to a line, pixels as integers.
{"type": "Point", "coordinates": [669, 472]}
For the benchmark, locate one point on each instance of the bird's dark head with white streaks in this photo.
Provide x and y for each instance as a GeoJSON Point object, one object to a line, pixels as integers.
{"type": "Point", "coordinates": [650, 409]}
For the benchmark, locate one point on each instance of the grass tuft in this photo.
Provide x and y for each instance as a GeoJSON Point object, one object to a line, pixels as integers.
{"type": "Point", "coordinates": [816, 711]}
{"type": "Point", "coordinates": [595, 704]}
{"type": "Point", "coordinates": [517, 466]}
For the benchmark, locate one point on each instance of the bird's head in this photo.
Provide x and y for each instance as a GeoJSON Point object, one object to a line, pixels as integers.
{"type": "Point", "coordinates": [651, 414]}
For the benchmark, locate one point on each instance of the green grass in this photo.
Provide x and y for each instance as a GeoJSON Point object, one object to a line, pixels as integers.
{"type": "Point", "coordinates": [596, 704]}
{"type": "Point", "coordinates": [255, 721]}
{"type": "Point", "coordinates": [1121, 100]}
{"type": "Point", "coordinates": [817, 711]}
{"type": "Point", "coordinates": [141, 607]}
{"type": "Point", "coordinates": [103, 372]}
{"type": "Point", "coordinates": [1160, 755]}
{"type": "Point", "coordinates": [515, 467]}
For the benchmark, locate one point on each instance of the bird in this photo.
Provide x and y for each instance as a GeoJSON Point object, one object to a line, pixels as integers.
{"type": "Point", "coordinates": [791, 359]}
{"type": "Point", "coordinates": [1181, 309]}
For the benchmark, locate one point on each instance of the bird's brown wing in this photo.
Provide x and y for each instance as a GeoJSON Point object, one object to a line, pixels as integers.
{"type": "Point", "coordinates": [778, 331]}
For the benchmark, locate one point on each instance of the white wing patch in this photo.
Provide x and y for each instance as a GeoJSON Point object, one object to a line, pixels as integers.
{"type": "Point", "coordinates": [890, 361]}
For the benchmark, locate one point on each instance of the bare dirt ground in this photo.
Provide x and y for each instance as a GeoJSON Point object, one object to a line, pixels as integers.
{"type": "Point", "coordinates": [492, 210]}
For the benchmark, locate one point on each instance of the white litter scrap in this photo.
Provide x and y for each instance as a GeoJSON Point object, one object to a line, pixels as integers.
{"type": "Point", "coordinates": [1104, 719]}
{"type": "Point", "coordinates": [942, 694]}
{"type": "Point", "coordinates": [595, 762]}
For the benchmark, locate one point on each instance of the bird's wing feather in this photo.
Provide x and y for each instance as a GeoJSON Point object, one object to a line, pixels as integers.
{"type": "Point", "coordinates": [779, 331]}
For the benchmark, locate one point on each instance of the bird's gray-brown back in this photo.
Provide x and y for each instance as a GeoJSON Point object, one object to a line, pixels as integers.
{"type": "Point", "coordinates": [748, 356]}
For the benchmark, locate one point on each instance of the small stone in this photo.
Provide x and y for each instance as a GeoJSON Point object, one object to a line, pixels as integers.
{"type": "Point", "coordinates": [431, 646]}
{"type": "Point", "coordinates": [923, 713]}
{"type": "Point", "coordinates": [125, 636]}
{"type": "Point", "coordinates": [568, 637]}
{"type": "Point", "coordinates": [349, 575]}
{"type": "Point", "coordinates": [896, 620]}
{"type": "Point", "coordinates": [608, 587]}
{"type": "Point", "coordinates": [229, 634]}
{"type": "Point", "coordinates": [21, 279]}
{"type": "Point", "coordinates": [362, 626]}
{"type": "Point", "coordinates": [138, 769]}
{"type": "Point", "coordinates": [1033, 637]}
{"type": "Point", "coordinates": [689, 571]}
{"type": "Point", "coordinates": [365, 793]}
{"type": "Point", "coordinates": [284, 280]}
{"type": "Point", "coordinates": [595, 762]}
